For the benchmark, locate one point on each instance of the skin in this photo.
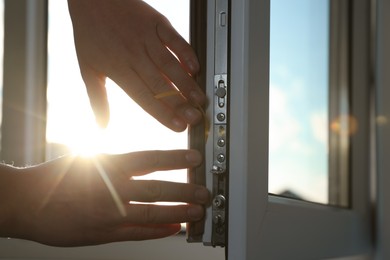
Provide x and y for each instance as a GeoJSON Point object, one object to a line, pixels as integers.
{"type": "Point", "coordinates": [135, 46]}
{"type": "Point", "coordinates": [66, 202]}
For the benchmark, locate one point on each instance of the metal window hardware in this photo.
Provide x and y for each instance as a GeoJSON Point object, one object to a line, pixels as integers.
{"type": "Point", "coordinates": [219, 169]}
{"type": "Point", "coordinates": [215, 171]}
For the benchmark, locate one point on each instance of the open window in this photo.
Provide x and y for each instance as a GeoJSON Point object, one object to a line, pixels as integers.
{"type": "Point", "coordinates": [275, 227]}
{"type": "Point", "coordinates": [262, 222]}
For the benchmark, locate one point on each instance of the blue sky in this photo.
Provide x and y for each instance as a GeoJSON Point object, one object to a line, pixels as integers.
{"type": "Point", "coordinates": [299, 97]}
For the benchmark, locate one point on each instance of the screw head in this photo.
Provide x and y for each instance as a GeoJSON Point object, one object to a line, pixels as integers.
{"type": "Point", "coordinates": [219, 201]}
{"type": "Point", "coordinates": [221, 158]}
{"type": "Point", "coordinates": [221, 117]}
{"type": "Point", "coordinates": [221, 142]}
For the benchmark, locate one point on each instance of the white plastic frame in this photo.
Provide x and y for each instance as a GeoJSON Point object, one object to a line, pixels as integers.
{"type": "Point", "coordinates": [267, 227]}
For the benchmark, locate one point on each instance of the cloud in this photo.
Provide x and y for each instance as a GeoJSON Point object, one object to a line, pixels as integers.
{"type": "Point", "coordinates": [284, 128]}
{"type": "Point", "coordinates": [297, 151]}
{"type": "Point", "coordinates": [319, 126]}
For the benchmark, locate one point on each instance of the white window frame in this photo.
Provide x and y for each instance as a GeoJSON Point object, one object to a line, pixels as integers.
{"type": "Point", "coordinates": [269, 227]}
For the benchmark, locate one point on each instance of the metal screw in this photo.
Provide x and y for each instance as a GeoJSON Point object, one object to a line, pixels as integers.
{"type": "Point", "coordinates": [221, 117]}
{"type": "Point", "coordinates": [221, 142]}
{"type": "Point", "coordinates": [219, 201]}
{"type": "Point", "coordinates": [221, 157]}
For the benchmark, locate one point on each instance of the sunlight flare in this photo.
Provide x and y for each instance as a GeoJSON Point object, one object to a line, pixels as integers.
{"type": "Point", "coordinates": [111, 188]}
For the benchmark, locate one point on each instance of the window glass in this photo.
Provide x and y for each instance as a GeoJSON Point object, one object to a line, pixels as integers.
{"type": "Point", "coordinates": [299, 98]}
{"type": "Point", "coordinates": [71, 125]}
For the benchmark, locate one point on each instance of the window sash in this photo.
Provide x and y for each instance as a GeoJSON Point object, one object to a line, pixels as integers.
{"type": "Point", "coordinates": [261, 225]}
{"type": "Point", "coordinates": [339, 103]}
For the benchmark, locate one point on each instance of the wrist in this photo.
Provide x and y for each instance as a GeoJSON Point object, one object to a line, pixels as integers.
{"type": "Point", "coordinates": [10, 194]}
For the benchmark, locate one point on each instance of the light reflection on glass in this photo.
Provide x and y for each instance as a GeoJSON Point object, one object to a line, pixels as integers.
{"type": "Point", "coordinates": [381, 120]}
{"type": "Point", "coordinates": [344, 125]}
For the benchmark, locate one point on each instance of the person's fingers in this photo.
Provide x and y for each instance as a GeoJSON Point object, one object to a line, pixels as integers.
{"type": "Point", "coordinates": [133, 84]}
{"type": "Point", "coordinates": [141, 232]}
{"type": "Point", "coordinates": [159, 84]}
{"type": "Point", "coordinates": [176, 43]}
{"type": "Point", "coordinates": [155, 191]}
{"type": "Point", "coordinates": [161, 214]}
{"type": "Point", "coordinates": [172, 69]}
{"type": "Point", "coordinates": [96, 89]}
{"type": "Point", "coordinates": [144, 162]}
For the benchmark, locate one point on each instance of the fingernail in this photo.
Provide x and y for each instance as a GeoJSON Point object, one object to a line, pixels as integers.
{"type": "Point", "coordinates": [195, 212]}
{"type": "Point", "coordinates": [202, 195]}
{"type": "Point", "coordinates": [192, 115]}
{"type": "Point", "coordinates": [197, 97]}
{"type": "Point", "coordinates": [193, 157]}
{"type": "Point", "coordinates": [179, 124]}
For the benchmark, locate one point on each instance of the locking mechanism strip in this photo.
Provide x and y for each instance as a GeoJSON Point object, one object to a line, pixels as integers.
{"type": "Point", "coordinates": [219, 168]}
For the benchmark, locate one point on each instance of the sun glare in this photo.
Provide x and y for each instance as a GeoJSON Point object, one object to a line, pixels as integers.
{"type": "Point", "coordinates": [71, 125]}
{"type": "Point", "coordinates": [85, 147]}
{"type": "Point", "coordinates": [71, 122]}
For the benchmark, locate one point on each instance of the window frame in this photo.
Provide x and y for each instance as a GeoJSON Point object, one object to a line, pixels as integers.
{"type": "Point", "coordinates": [339, 103]}
{"type": "Point", "coordinates": [263, 224]}
{"type": "Point", "coordinates": [381, 54]}
{"type": "Point", "coordinates": [24, 83]}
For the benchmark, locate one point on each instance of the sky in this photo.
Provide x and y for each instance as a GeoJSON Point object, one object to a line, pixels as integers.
{"type": "Point", "coordinates": [299, 98]}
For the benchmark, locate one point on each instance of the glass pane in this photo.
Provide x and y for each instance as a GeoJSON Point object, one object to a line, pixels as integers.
{"type": "Point", "coordinates": [299, 98]}
{"type": "Point", "coordinates": [71, 125]}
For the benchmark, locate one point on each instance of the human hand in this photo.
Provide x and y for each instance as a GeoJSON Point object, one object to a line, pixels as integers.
{"type": "Point", "coordinates": [75, 201]}
{"type": "Point", "coordinates": [135, 46]}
